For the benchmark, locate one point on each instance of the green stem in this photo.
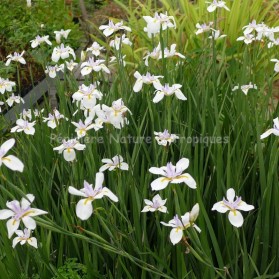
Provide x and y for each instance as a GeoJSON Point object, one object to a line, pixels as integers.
{"type": "Point", "coordinates": [18, 79]}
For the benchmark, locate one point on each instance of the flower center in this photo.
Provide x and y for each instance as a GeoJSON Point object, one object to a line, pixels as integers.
{"type": "Point", "coordinates": [232, 205]}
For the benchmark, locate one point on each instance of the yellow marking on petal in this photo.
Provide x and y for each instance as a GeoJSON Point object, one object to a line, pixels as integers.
{"type": "Point", "coordinates": [27, 213]}
{"type": "Point", "coordinates": [8, 159]}
{"type": "Point", "coordinates": [87, 200]}
{"type": "Point", "coordinates": [181, 176]}
{"type": "Point", "coordinates": [166, 179]}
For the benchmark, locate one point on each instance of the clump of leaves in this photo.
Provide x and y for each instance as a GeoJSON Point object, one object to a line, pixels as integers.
{"type": "Point", "coordinates": [34, 276]}
{"type": "Point", "coordinates": [72, 270]}
{"type": "Point", "coordinates": [20, 24]}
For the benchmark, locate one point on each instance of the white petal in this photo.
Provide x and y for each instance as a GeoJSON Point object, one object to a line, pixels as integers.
{"type": "Point", "coordinates": [220, 207]}
{"type": "Point", "coordinates": [153, 27]}
{"type": "Point", "coordinates": [117, 158]}
{"type": "Point", "coordinates": [137, 75]}
{"type": "Point", "coordinates": [138, 85]}
{"type": "Point", "coordinates": [190, 181]}
{"type": "Point", "coordinates": [59, 148]}
{"type": "Point", "coordinates": [187, 179]}
{"type": "Point", "coordinates": [108, 31]}
{"type": "Point", "coordinates": [33, 242]}
{"type": "Point", "coordinates": [155, 170]}
{"type": "Point", "coordinates": [148, 202]}
{"type": "Point", "coordinates": [99, 180]}
{"type": "Point", "coordinates": [269, 132]}
{"type": "Point", "coordinates": [236, 218]}
{"type": "Point", "coordinates": [79, 146]}
{"type": "Point", "coordinates": [102, 27]}
{"type": "Point", "coordinates": [88, 102]}
{"type": "Point", "coordinates": [108, 193]}
{"type": "Point", "coordinates": [5, 214]}
{"type": "Point", "coordinates": [276, 122]}
{"type": "Point", "coordinates": [36, 212]}
{"type": "Point", "coordinates": [194, 212]}
{"type": "Point", "coordinates": [64, 55]}
{"type": "Point", "coordinates": [19, 233]}
{"type": "Point", "coordinates": [21, 60]}
{"type": "Point", "coordinates": [104, 167]}
{"type": "Point", "coordinates": [186, 219]}
{"type": "Point", "coordinates": [12, 226]}
{"type": "Point", "coordinates": [30, 197]}
{"type": "Point", "coordinates": [13, 163]}
{"type": "Point", "coordinates": [171, 223]}
{"type": "Point", "coordinates": [77, 96]}
{"type": "Point", "coordinates": [16, 240]}
{"type": "Point", "coordinates": [157, 84]}
{"type": "Point", "coordinates": [75, 192]}
{"type": "Point", "coordinates": [244, 206]}
{"type": "Point", "coordinates": [124, 166]}
{"type": "Point", "coordinates": [86, 70]}
{"type": "Point", "coordinates": [29, 131]}
{"type": "Point", "coordinates": [158, 199]}
{"type": "Point", "coordinates": [197, 228]}
{"type": "Point", "coordinates": [55, 56]}
{"type": "Point", "coordinates": [211, 8]}
{"type": "Point", "coordinates": [105, 69]}
{"type": "Point", "coordinates": [163, 209]}
{"type": "Point", "coordinates": [29, 222]}
{"type": "Point", "coordinates": [179, 95]}
{"type": "Point", "coordinates": [148, 19]}
{"type": "Point", "coordinates": [13, 204]}
{"type": "Point", "coordinates": [84, 209]}
{"type": "Point", "coordinates": [111, 168]}
{"type": "Point", "coordinates": [8, 62]}
{"type": "Point", "coordinates": [52, 73]}
{"type": "Point", "coordinates": [25, 203]}
{"type": "Point", "coordinates": [226, 8]}
{"type": "Point", "coordinates": [146, 208]}
{"type": "Point", "coordinates": [69, 154]}
{"type": "Point", "coordinates": [158, 97]}
{"type": "Point", "coordinates": [159, 183]}
{"type": "Point", "coordinates": [7, 145]}
{"type": "Point", "coordinates": [22, 242]}
{"type": "Point", "coordinates": [176, 235]}
{"type": "Point", "coordinates": [52, 124]}
{"type": "Point", "coordinates": [182, 164]}
{"type": "Point", "coordinates": [230, 194]}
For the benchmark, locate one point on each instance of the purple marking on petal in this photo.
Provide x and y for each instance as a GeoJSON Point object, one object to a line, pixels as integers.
{"type": "Point", "coordinates": [177, 221]}
{"type": "Point", "coordinates": [19, 212]}
{"type": "Point", "coordinates": [232, 205]}
{"type": "Point", "coordinates": [156, 204]}
{"type": "Point", "coordinates": [171, 171]}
